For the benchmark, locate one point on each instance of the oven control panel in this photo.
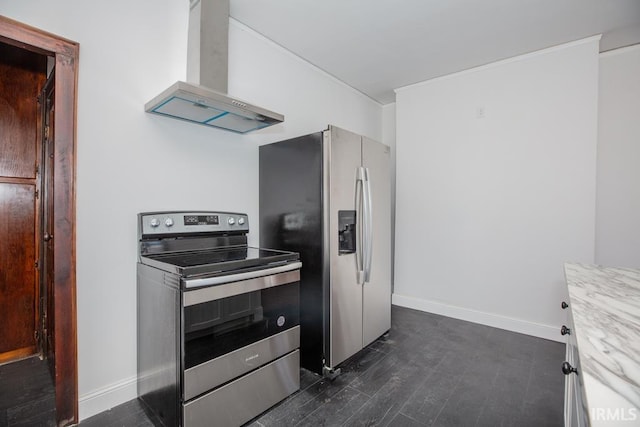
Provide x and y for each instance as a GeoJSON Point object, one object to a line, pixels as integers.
{"type": "Point", "coordinates": [184, 222]}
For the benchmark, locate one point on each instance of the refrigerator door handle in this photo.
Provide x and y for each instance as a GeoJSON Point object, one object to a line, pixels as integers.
{"type": "Point", "coordinates": [368, 226]}
{"type": "Point", "coordinates": [360, 220]}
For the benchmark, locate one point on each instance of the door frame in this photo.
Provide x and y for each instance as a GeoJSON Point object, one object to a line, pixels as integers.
{"type": "Point", "coordinates": [66, 54]}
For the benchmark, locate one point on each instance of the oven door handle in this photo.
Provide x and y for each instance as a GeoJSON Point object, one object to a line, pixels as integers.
{"type": "Point", "coordinates": [236, 284]}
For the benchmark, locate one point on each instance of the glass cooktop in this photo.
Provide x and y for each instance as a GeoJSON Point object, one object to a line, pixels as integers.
{"type": "Point", "coordinates": [218, 260]}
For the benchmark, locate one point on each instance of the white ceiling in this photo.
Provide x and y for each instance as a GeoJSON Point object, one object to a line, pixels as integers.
{"type": "Point", "coordinates": [376, 46]}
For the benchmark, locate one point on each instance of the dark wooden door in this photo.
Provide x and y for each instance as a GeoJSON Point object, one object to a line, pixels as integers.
{"type": "Point", "coordinates": [46, 256]}
{"type": "Point", "coordinates": [22, 76]}
{"type": "Point", "coordinates": [64, 54]}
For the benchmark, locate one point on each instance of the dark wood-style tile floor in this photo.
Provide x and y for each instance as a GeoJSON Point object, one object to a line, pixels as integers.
{"type": "Point", "coordinates": [428, 371]}
{"type": "Point", "coordinates": [26, 394]}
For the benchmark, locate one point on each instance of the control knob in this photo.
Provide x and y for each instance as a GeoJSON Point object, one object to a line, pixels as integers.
{"type": "Point", "coordinates": [168, 222]}
{"type": "Point", "coordinates": [231, 220]}
{"type": "Point", "coordinates": [241, 221]}
{"type": "Point", "coordinates": [154, 222]}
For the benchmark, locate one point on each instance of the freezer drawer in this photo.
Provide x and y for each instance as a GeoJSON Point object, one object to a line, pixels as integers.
{"type": "Point", "coordinates": [243, 399]}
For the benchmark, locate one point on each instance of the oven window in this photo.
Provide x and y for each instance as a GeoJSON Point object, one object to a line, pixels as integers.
{"type": "Point", "coordinates": [215, 328]}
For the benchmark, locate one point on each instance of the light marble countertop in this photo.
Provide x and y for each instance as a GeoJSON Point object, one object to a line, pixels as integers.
{"type": "Point", "coordinates": [605, 304]}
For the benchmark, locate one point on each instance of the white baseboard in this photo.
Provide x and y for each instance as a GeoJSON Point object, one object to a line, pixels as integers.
{"type": "Point", "coordinates": [107, 397]}
{"type": "Point", "coordinates": [490, 319]}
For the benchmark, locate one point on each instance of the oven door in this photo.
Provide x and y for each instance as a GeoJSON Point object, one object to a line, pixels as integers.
{"type": "Point", "coordinates": [233, 328]}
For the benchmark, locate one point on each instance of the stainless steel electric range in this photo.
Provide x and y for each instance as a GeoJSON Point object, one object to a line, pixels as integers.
{"type": "Point", "coordinates": [218, 321]}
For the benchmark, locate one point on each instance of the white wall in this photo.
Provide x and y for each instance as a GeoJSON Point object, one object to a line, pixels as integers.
{"type": "Point", "coordinates": [389, 138]}
{"type": "Point", "coordinates": [129, 161]}
{"type": "Point", "coordinates": [618, 177]}
{"type": "Point", "coordinates": [496, 188]}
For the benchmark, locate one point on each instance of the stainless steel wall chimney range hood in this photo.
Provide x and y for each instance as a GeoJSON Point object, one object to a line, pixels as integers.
{"type": "Point", "coordinates": [203, 98]}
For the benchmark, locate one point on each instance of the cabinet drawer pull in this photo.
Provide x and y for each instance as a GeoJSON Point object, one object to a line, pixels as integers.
{"type": "Point", "coordinates": [564, 305]}
{"type": "Point", "coordinates": [565, 331]}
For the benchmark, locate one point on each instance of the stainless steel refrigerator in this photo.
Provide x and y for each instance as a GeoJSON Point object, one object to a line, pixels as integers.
{"type": "Point", "coordinates": [327, 196]}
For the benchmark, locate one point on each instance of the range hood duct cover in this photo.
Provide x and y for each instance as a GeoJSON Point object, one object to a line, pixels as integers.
{"type": "Point", "coordinates": [203, 97]}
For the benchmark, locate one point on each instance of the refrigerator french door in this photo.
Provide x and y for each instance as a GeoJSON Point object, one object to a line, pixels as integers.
{"type": "Point", "coordinates": [327, 197]}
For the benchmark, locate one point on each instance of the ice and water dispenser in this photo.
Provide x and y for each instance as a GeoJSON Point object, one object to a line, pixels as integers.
{"type": "Point", "coordinates": [346, 232]}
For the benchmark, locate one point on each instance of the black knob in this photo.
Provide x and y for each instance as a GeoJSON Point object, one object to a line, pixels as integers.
{"type": "Point", "coordinates": [567, 368]}
{"type": "Point", "coordinates": [564, 305]}
{"type": "Point", "coordinates": [565, 331]}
